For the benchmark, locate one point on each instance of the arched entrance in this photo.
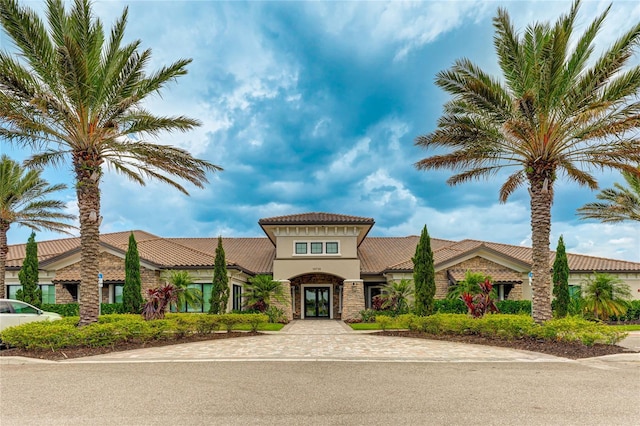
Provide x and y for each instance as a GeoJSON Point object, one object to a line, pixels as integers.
{"type": "Point", "coordinates": [316, 296]}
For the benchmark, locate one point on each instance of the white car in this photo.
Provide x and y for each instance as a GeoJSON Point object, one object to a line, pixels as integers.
{"type": "Point", "coordinates": [16, 312]}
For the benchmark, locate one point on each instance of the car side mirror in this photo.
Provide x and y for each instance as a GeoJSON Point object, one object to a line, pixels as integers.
{"type": "Point", "coordinates": [40, 312]}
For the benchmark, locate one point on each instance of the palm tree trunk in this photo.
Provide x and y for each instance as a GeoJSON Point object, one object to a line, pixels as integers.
{"type": "Point", "coordinates": [541, 200]}
{"type": "Point", "coordinates": [4, 250]}
{"type": "Point", "coordinates": [88, 173]}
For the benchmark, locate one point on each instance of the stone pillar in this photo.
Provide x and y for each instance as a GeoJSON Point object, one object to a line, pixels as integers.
{"type": "Point", "coordinates": [286, 304]}
{"type": "Point", "coordinates": [352, 299]}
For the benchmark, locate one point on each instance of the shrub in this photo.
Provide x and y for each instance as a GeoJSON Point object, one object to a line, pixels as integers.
{"type": "Point", "coordinates": [450, 306]}
{"type": "Point", "coordinates": [482, 302]}
{"type": "Point", "coordinates": [64, 309]}
{"type": "Point", "coordinates": [111, 308]}
{"type": "Point", "coordinates": [103, 334]}
{"type": "Point", "coordinates": [207, 324]}
{"type": "Point", "coordinates": [369, 315]}
{"type": "Point", "coordinates": [230, 320]}
{"type": "Point", "coordinates": [576, 329]}
{"type": "Point", "coordinates": [407, 321]}
{"type": "Point", "coordinates": [505, 326]}
{"type": "Point", "coordinates": [384, 321]}
{"type": "Point", "coordinates": [275, 315]}
{"type": "Point", "coordinates": [515, 307]}
{"type": "Point", "coordinates": [254, 320]}
{"type": "Point", "coordinates": [158, 299]}
{"type": "Point", "coordinates": [42, 335]}
{"type": "Point", "coordinates": [632, 314]}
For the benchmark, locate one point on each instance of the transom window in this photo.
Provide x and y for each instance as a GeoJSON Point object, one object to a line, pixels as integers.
{"type": "Point", "coordinates": [316, 247]}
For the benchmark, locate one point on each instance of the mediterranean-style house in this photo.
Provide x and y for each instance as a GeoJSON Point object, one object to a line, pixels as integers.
{"type": "Point", "coordinates": [328, 264]}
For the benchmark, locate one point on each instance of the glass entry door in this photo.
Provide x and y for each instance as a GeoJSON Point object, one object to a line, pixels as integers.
{"type": "Point", "coordinates": [316, 302]}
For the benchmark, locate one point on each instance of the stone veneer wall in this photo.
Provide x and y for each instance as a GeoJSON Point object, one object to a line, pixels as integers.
{"type": "Point", "coordinates": [285, 305]}
{"type": "Point", "coordinates": [111, 266]}
{"type": "Point", "coordinates": [352, 299]}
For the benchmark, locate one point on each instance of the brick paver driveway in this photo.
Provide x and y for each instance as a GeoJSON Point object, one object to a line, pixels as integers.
{"type": "Point", "coordinates": [318, 340]}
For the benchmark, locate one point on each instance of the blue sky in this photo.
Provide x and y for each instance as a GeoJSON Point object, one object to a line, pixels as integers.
{"type": "Point", "coordinates": [314, 106]}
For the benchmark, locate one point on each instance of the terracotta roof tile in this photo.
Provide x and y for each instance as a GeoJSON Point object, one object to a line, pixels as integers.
{"type": "Point", "coordinates": [378, 254]}
{"type": "Point", "coordinates": [316, 218]}
{"type": "Point", "coordinates": [256, 255]}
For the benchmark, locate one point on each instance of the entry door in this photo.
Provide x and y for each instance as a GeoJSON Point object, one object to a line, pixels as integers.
{"type": "Point", "coordinates": [316, 302]}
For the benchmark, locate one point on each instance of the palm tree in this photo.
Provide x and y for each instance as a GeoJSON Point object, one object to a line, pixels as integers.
{"type": "Point", "coordinates": [186, 294]}
{"type": "Point", "coordinates": [260, 290]}
{"type": "Point", "coordinates": [470, 284]}
{"type": "Point", "coordinates": [555, 111]}
{"type": "Point", "coordinates": [73, 93]}
{"type": "Point", "coordinates": [605, 295]}
{"type": "Point", "coordinates": [23, 200]}
{"type": "Point", "coordinates": [397, 295]}
{"type": "Point", "coordinates": [619, 203]}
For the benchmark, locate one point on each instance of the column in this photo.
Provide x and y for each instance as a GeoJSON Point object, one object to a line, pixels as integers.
{"type": "Point", "coordinates": [352, 299]}
{"type": "Point", "coordinates": [285, 305]}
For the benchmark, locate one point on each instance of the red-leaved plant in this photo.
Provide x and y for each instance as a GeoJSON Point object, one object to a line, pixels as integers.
{"type": "Point", "coordinates": [481, 303]}
{"type": "Point", "coordinates": [157, 301]}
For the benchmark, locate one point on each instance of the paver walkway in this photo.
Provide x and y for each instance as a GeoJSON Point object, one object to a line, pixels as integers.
{"type": "Point", "coordinates": [322, 340]}
{"type": "Point", "coordinates": [329, 340]}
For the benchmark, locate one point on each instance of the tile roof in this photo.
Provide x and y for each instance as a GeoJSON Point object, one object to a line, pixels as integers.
{"type": "Point", "coordinates": [256, 255]}
{"type": "Point", "coordinates": [316, 218]}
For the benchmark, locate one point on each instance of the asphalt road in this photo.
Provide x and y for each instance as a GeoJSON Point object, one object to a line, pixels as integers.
{"type": "Point", "coordinates": [317, 393]}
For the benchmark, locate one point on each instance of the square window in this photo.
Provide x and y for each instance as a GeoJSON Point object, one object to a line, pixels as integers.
{"type": "Point", "coordinates": [332, 248]}
{"type": "Point", "coordinates": [301, 248]}
{"type": "Point", "coordinates": [316, 248]}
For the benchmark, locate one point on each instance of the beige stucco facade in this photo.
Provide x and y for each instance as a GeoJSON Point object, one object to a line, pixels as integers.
{"type": "Point", "coordinates": [328, 268]}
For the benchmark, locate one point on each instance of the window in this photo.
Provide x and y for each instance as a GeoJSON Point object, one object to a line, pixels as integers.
{"type": "Point", "coordinates": [575, 291]}
{"type": "Point", "coordinates": [373, 291]}
{"type": "Point", "coordinates": [316, 247]}
{"type": "Point", "coordinates": [12, 290]}
{"type": "Point", "coordinates": [205, 291]}
{"type": "Point", "coordinates": [48, 292]}
{"type": "Point", "coordinates": [116, 295]}
{"type": "Point", "coordinates": [332, 248]}
{"type": "Point", "coordinates": [73, 291]}
{"type": "Point", "coordinates": [237, 297]}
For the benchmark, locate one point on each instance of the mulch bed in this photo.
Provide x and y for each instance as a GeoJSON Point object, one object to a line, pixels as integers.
{"type": "Point", "coordinates": [571, 350]}
{"type": "Point", "coordinates": [68, 353]}
{"type": "Point", "coordinates": [561, 349]}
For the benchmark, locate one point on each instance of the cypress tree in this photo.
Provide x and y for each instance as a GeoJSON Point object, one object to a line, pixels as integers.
{"type": "Point", "coordinates": [132, 291]}
{"type": "Point", "coordinates": [561, 280]}
{"type": "Point", "coordinates": [220, 290]}
{"type": "Point", "coordinates": [424, 275]}
{"type": "Point", "coordinates": [28, 275]}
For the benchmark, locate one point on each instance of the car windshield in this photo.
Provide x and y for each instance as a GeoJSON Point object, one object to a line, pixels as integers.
{"type": "Point", "coordinates": [23, 308]}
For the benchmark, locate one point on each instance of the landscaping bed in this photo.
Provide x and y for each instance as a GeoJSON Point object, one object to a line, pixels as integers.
{"type": "Point", "coordinates": [571, 350]}
{"type": "Point", "coordinates": [84, 351]}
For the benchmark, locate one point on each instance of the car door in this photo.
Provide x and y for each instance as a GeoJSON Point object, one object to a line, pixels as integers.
{"type": "Point", "coordinates": [23, 312]}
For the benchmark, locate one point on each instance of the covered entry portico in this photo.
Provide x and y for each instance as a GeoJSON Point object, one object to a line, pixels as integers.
{"type": "Point", "coordinates": [316, 296]}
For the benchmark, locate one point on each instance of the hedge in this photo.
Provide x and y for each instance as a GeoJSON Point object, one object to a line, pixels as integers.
{"type": "Point", "coordinates": [508, 326]}
{"type": "Point", "coordinates": [110, 330]}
